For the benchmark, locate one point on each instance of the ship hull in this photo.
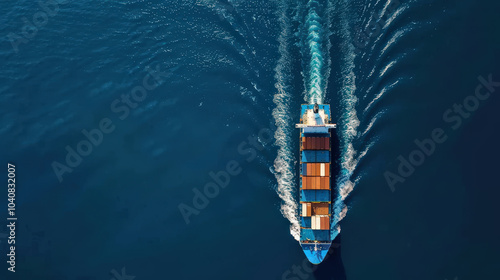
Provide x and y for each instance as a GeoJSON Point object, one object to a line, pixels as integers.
{"type": "Point", "coordinates": [315, 181]}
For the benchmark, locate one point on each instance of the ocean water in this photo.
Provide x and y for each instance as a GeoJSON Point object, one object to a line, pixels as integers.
{"type": "Point", "coordinates": [118, 114]}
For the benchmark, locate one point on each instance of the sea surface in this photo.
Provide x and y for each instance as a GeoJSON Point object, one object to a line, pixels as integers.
{"type": "Point", "coordinates": [157, 140]}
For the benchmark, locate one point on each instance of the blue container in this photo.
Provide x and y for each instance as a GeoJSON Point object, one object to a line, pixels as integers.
{"type": "Point", "coordinates": [304, 169]}
{"type": "Point", "coordinates": [309, 156]}
{"type": "Point", "coordinates": [307, 195]}
{"type": "Point", "coordinates": [322, 195]}
{"type": "Point", "coordinates": [322, 156]}
{"type": "Point", "coordinates": [305, 222]}
{"type": "Point", "coordinates": [315, 195]}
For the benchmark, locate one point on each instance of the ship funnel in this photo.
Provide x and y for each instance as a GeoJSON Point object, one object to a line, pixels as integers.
{"type": "Point", "coordinates": [316, 108]}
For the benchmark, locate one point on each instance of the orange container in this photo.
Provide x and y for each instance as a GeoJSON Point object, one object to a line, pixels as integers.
{"type": "Point", "coordinates": [327, 222]}
{"type": "Point", "coordinates": [320, 209]}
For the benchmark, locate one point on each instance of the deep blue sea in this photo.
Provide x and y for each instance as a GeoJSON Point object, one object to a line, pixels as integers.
{"type": "Point", "coordinates": [157, 140]}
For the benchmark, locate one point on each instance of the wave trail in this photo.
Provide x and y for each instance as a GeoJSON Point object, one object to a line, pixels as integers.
{"type": "Point", "coordinates": [314, 42]}
{"type": "Point", "coordinates": [284, 164]}
{"type": "Point", "coordinates": [348, 126]}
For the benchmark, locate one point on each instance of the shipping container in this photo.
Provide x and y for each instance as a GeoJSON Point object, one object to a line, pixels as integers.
{"type": "Point", "coordinates": [315, 143]}
{"type": "Point", "coordinates": [320, 209]}
{"type": "Point", "coordinates": [308, 195]}
{"type": "Point", "coordinates": [316, 222]}
{"type": "Point", "coordinates": [305, 222]}
{"type": "Point", "coordinates": [322, 156]}
{"type": "Point", "coordinates": [306, 209]}
{"type": "Point", "coordinates": [322, 196]}
{"type": "Point", "coordinates": [312, 183]}
{"type": "Point", "coordinates": [314, 195]}
{"type": "Point", "coordinates": [308, 156]}
{"type": "Point", "coordinates": [327, 223]}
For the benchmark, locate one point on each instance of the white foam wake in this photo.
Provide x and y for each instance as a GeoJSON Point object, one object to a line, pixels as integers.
{"type": "Point", "coordinates": [348, 125]}
{"type": "Point", "coordinates": [284, 164]}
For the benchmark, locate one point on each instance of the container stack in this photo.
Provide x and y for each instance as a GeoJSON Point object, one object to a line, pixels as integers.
{"type": "Point", "coordinates": [315, 187]}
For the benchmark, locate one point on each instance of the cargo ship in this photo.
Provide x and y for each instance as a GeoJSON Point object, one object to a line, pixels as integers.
{"type": "Point", "coordinates": [315, 183]}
